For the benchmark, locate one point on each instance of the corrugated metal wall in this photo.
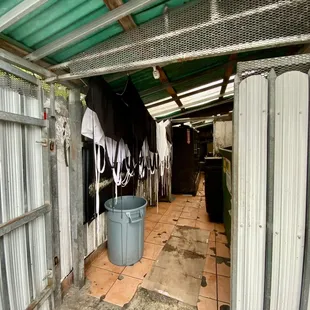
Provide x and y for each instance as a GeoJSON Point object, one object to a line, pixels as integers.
{"type": "Point", "coordinates": [23, 255]}
{"type": "Point", "coordinates": [252, 150]}
{"type": "Point", "coordinates": [271, 125]}
{"type": "Point", "coordinates": [290, 185]}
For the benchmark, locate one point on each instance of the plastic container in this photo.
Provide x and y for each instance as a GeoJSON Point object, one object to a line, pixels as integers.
{"type": "Point", "coordinates": [125, 229]}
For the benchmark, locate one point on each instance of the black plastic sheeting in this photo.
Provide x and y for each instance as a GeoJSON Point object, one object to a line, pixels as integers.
{"type": "Point", "coordinates": [122, 116]}
{"type": "Point", "coordinates": [107, 192]}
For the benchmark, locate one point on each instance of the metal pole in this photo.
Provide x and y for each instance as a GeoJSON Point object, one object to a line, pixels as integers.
{"type": "Point", "coordinates": [54, 198]}
{"type": "Point", "coordinates": [270, 186]}
{"type": "Point", "coordinates": [76, 187]}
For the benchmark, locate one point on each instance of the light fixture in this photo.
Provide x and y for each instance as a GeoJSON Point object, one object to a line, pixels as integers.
{"type": "Point", "coordinates": [156, 73]}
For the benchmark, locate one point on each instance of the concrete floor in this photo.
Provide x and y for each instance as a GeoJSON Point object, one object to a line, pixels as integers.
{"type": "Point", "coordinates": [113, 287]}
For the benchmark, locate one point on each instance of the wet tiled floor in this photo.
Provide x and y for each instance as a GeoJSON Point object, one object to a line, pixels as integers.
{"type": "Point", "coordinates": [117, 285]}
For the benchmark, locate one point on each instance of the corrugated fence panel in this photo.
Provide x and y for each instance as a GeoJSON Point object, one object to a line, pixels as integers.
{"type": "Point", "coordinates": [290, 181]}
{"type": "Point", "coordinates": [252, 165]}
{"type": "Point", "coordinates": [92, 240]}
{"type": "Point", "coordinates": [23, 260]}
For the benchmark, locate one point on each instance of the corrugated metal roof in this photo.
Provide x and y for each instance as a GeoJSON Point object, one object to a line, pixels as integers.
{"type": "Point", "coordinates": [57, 18]}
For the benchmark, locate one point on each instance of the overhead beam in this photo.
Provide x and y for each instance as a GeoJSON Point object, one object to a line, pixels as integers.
{"type": "Point", "coordinates": [171, 91]}
{"type": "Point", "coordinates": [126, 22]}
{"type": "Point", "coordinates": [32, 67]}
{"type": "Point", "coordinates": [15, 48]}
{"type": "Point", "coordinates": [17, 72]}
{"type": "Point", "coordinates": [228, 72]}
{"type": "Point", "coordinates": [84, 31]}
{"type": "Point", "coordinates": [18, 12]}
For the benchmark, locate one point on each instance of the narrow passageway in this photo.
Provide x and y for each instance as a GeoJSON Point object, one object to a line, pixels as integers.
{"type": "Point", "coordinates": [117, 285]}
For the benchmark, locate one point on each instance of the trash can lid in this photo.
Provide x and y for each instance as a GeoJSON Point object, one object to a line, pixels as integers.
{"type": "Point", "coordinates": [125, 203]}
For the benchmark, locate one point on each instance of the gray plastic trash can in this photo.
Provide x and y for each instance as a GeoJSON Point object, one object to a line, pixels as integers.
{"type": "Point", "coordinates": [125, 229]}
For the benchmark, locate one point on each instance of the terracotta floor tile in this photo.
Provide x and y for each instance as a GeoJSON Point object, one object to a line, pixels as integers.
{"type": "Point", "coordinates": [140, 269]}
{"type": "Point", "coordinates": [208, 285]}
{"type": "Point", "coordinates": [210, 265]}
{"type": "Point", "coordinates": [101, 281]}
{"type": "Point", "coordinates": [153, 210]}
{"type": "Point", "coordinates": [122, 291]}
{"type": "Point", "coordinates": [223, 266]}
{"type": "Point", "coordinates": [190, 209]}
{"type": "Point", "coordinates": [212, 236]}
{"type": "Point", "coordinates": [163, 228]}
{"type": "Point", "coordinates": [203, 217]}
{"type": "Point", "coordinates": [223, 304]}
{"type": "Point", "coordinates": [102, 261]}
{"type": "Point", "coordinates": [221, 237]}
{"type": "Point", "coordinates": [206, 304]}
{"type": "Point", "coordinates": [202, 211]}
{"type": "Point", "coordinates": [205, 226]}
{"type": "Point", "coordinates": [177, 208]}
{"type": "Point", "coordinates": [146, 233]}
{"type": "Point", "coordinates": [153, 217]}
{"type": "Point", "coordinates": [223, 289]}
{"type": "Point", "coordinates": [222, 250]}
{"type": "Point", "coordinates": [194, 205]}
{"type": "Point", "coordinates": [181, 198]}
{"type": "Point", "coordinates": [219, 227]}
{"type": "Point", "coordinates": [172, 212]}
{"type": "Point", "coordinates": [158, 238]}
{"type": "Point", "coordinates": [189, 215]}
{"type": "Point", "coordinates": [202, 204]}
{"type": "Point", "coordinates": [186, 222]}
{"type": "Point", "coordinates": [151, 250]}
{"type": "Point", "coordinates": [149, 225]}
{"type": "Point", "coordinates": [168, 219]}
{"type": "Point", "coordinates": [211, 248]}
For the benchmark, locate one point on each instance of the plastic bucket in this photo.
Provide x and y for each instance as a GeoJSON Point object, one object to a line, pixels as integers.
{"type": "Point", "coordinates": [125, 229]}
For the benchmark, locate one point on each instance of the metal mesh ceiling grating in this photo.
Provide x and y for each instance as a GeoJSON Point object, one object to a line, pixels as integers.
{"type": "Point", "coordinates": [279, 64]}
{"type": "Point", "coordinates": [199, 29]}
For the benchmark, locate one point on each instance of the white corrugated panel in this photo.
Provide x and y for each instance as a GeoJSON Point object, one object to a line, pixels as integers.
{"type": "Point", "coordinates": [163, 109]}
{"type": "Point", "coordinates": [290, 179]}
{"type": "Point", "coordinates": [252, 169]}
{"type": "Point", "coordinates": [21, 188]}
{"type": "Point", "coordinates": [91, 234]}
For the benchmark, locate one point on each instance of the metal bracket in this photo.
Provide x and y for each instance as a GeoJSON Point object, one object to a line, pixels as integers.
{"type": "Point", "coordinates": [43, 142]}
